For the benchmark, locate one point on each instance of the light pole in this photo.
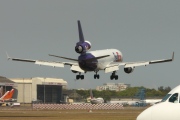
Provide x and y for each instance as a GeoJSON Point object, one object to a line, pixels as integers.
{"type": "Point", "coordinates": [23, 91]}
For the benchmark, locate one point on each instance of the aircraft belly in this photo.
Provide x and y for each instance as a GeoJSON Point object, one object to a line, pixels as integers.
{"type": "Point", "coordinates": [87, 65]}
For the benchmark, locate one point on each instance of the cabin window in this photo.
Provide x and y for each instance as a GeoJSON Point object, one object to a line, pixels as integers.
{"type": "Point", "coordinates": [165, 98]}
{"type": "Point", "coordinates": [174, 98]}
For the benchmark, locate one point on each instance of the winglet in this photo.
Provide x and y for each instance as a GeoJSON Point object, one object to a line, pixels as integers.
{"type": "Point", "coordinates": [8, 56]}
{"type": "Point", "coordinates": [173, 56]}
{"type": "Point", "coordinates": [81, 37]}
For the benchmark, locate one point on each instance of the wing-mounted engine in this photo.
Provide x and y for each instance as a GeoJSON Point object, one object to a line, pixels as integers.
{"type": "Point", "coordinates": [82, 47]}
{"type": "Point", "coordinates": [128, 70]}
{"type": "Point", "coordinates": [74, 71]}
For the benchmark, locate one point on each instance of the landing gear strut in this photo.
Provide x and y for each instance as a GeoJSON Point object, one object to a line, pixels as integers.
{"type": "Point", "coordinates": [114, 76]}
{"type": "Point", "coordinates": [96, 76]}
{"type": "Point", "coordinates": [79, 76]}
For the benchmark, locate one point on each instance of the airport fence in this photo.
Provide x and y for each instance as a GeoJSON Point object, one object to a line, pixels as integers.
{"type": "Point", "coordinates": [78, 106]}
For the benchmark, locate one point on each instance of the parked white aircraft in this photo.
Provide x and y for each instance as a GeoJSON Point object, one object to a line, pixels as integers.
{"type": "Point", "coordinates": [152, 101]}
{"type": "Point", "coordinates": [108, 60]}
{"type": "Point", "coordinates": [94, 100]}
{"type": "Point", "coordinates": [167, 109]}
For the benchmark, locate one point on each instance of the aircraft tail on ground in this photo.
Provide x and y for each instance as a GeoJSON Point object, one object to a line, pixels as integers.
{"type": "Point", "coordinates": [91, 94]}
{"type": "Point", "coordinates": [5, 94]}
{"type": "Point", "coordinates": [8, 95]}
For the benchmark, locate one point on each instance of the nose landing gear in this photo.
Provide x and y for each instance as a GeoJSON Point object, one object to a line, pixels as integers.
{"type": "Point", "coordinates": [96, 75]}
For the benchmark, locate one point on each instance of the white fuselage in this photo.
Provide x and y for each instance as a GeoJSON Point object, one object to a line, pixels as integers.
{"type": "Point", "coordinates": [168, 109]}
{"type": "Point", "coordinates": [97, 100]}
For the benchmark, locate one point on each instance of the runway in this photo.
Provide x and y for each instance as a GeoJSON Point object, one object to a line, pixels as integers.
{"type": "Point", "coordinates": [22, 113]}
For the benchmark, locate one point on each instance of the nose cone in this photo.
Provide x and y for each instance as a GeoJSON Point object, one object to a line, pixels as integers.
{"type": "Point", "coordinates": [145, 115]}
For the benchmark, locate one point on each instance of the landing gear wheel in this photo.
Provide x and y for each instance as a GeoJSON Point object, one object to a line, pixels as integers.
{"type": "Point", "coordinates": [114, 76]}
{"type": "Point", "coordinates": [96, 76]}
{"type": "Point", "coordinates": [111, 77]}
{"type": "Point", "coordinates": [82, 77]}
{"type": "Point", "coordinates": [77, 77]}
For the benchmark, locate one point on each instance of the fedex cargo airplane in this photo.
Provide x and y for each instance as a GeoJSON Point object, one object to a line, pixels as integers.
{"type": "Point", "coordinates": [108, 60]}
{"type": "Point", "coordinates": [167, 109]}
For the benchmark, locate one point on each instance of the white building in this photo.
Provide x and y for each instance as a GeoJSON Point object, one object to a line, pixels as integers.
{"type": "Point", "coordinates": [46, 90]}
{"type": "Point", "coordinates": [113, 86]}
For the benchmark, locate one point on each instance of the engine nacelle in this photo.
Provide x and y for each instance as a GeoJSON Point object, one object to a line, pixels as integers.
{"type": "Point", "coordinates": [82, 47]}
{"type": "Point", "coordinates": [128, 70]}
{"type": "Point", "coordinates": [74, 71]}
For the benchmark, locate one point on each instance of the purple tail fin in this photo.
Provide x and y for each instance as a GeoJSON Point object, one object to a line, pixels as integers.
{"type": "Point", "coordinates": [81, 37]}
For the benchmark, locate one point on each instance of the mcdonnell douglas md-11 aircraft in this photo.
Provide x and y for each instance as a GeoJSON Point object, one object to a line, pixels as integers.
{"type": "Point", "coordinates": [108, 60]}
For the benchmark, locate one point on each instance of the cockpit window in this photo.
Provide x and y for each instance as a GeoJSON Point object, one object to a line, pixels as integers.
{"type": "Point", "coordinates": [174, 98]}
{"type": "Point", "coordinates": [165, 98]}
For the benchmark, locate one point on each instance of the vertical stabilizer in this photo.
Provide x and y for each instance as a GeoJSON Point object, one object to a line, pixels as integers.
{"type": "Point", "coordinates": [5, 94]}
{"type": "Point", "coordinates": [9, 95]}
{"type": "Point", "coordinates": [81, 37]}
{"type": "Point", "coordinates": [1, 91]}
{"type": "Point", "coordinates": [91, 94]}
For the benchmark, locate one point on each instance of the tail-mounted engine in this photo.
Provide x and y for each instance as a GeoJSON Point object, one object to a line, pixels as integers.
{"type": "Point", "coordinates": [128, 70]}
{"type": "Point", "coordinates": [82, 47]}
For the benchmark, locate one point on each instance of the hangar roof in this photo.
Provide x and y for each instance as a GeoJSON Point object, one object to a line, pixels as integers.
{"type": "Point", "coordinates": [47, 81]}
{"type": "Point", "coordinates": [5, 80]}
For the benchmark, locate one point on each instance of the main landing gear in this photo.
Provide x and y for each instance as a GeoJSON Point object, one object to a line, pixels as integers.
{"type": "Point", "coordinates": [96, 75]}
{"type": "Point", "coordinates": [79, 77]}
{"type": "Point", "coordinates": [114, 76]}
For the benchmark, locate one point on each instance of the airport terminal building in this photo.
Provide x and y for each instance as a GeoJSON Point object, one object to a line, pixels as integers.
{"type": "Point", "coordinates": [28, 90]}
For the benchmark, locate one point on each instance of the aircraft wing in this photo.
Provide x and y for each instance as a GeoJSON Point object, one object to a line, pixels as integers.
{"type": "Point", "coordinates": [115, 66]}
{"type": "Point", "coordinates": [74, 65]}
{"type": "Point", "coordinates": [40, 62]}
{"type": "Point", "coordinates": [145, 63]}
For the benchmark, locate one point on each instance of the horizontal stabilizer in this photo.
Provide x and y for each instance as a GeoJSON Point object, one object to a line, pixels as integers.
{"type": "Point", "coordinates": [95, 58]}
{"type": "Point", "coordinates": [87, 60]}
{"type": "Point", "coordinates": [64, 57]}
